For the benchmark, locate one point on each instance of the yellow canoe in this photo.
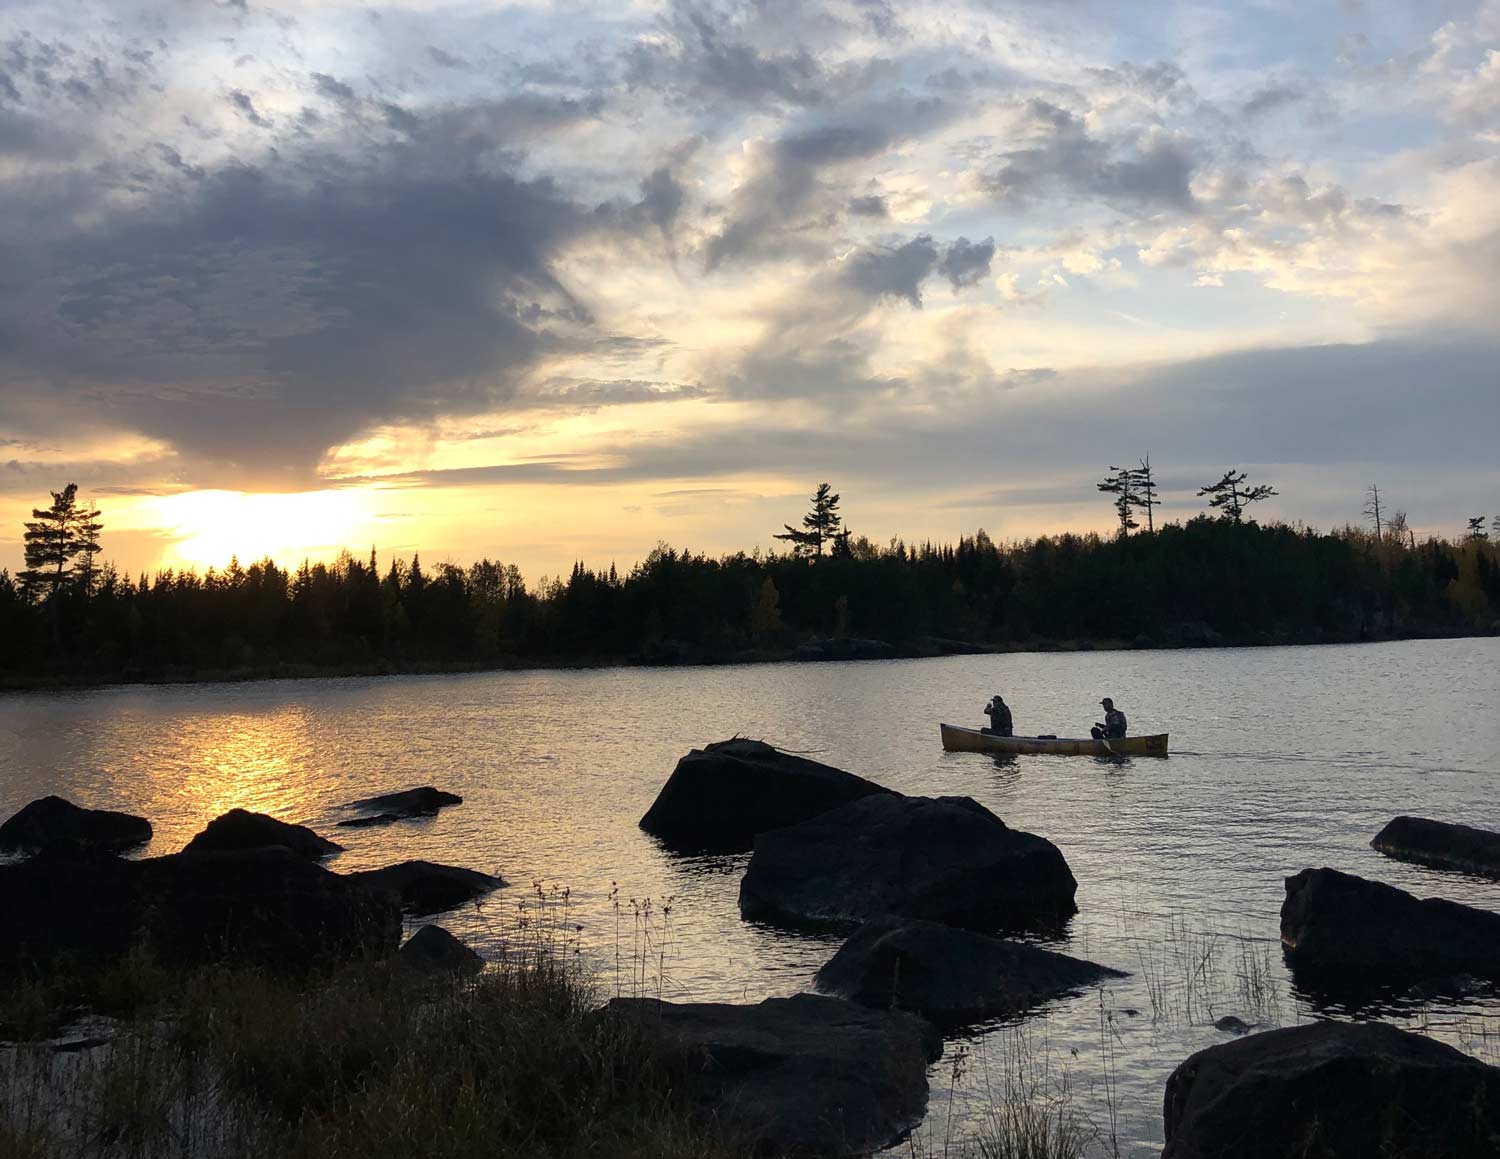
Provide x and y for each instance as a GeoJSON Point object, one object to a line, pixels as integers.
{"type": "Point", "coordinates": [970, 740]}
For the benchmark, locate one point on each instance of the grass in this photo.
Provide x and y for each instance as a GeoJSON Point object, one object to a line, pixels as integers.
{"type": "Point", "coordinates": [366, 1062]}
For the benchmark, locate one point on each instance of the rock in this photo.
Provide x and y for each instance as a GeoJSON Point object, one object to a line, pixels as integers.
{"type": "Point", "coordinates": [949, 976]}
{"type": "Point", "coordinates": [805, 1076]}
{"type": "Point", "coordinates": [1441, 845]}
{"type": "Point", "coordinates": [381, 819]}
{"type": "Point", "coordinates": [265, 906]}
{"type": "Point", "coordinates": [51, 819]}
{"type": "Point", "coordinates": [433, 950]}
{"type": "Point", "coordinates": [943, 859]}
{"type": "Point", "coordinates": [70, 904]}
{"type": "Point", "coordinates": [843, 648]}
{"type": "Point", "coordinates": [262, 907]}
{"type": "Point", "coordinates": [421, 802]}
{"type": "Point", "coordinates": [240, 829]}
{"type": "Point", "coordinates": [1341, 931]}
{"type": "Point", "coordinates": [1232, 1025]}
{"type": "Point", "coordinates": [424, 887]}
{"type": "Point", "coordinates": [719, 797]}
{"type": "Point", "coordinates": [1332, 1090]}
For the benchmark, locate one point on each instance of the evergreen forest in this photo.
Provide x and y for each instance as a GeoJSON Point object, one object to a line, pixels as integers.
{"type": "Point", "coordinates": [1208, 581]}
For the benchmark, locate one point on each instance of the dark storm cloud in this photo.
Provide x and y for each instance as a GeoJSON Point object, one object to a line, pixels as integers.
{"type": "Point", "coordinates": [256, 314]}
{"type": "Point", "coordinates": [967, 263]}
{"type": "Point", "coordinates": [1149, 171]}
{"type": "Point", "coordinates": [871, 206]}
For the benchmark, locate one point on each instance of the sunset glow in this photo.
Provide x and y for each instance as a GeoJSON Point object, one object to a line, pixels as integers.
{"type": "Point", "coordinates": [208, 528]}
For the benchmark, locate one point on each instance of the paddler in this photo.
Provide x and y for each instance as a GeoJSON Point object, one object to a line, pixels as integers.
{"type": "Point", "coordinates": [999, 713]}
{"type": "Point", "coordinates": [1114, 725]}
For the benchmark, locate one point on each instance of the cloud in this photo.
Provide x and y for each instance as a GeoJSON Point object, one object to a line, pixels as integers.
{"type": "Point", "coordinates": [264, 311]}
{"type": "Point", "coordinates": [794, 184]}
{"type": "Point", "coordinates": [245, 106]}
{"type": "Point", "coordinates": [967, 263]}
{"type": "Point", "coordinates": [894, 272]}
{"type": "Point", "coordinates": [1147, 170]}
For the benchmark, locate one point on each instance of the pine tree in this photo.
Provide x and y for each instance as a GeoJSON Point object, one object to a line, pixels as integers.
{"type": "Point", "coordinates": [1228, 494]}
{"type": "Point", "coordinates": [1121, 483]}
{"type": "Point", "coordinates": [51, 542]}
{"type": "Point", "coordinates": [1145, 491]}
{"type": "Point", "coordinates": [1476, 532]}
{"type": "Point", "coordinates": [86, 529]}
{"type": "Point", "coordinates": [819, 526]}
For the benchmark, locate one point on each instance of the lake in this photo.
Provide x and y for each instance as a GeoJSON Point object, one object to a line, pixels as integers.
{"type": "Point", "coordinates": [1282, 758]}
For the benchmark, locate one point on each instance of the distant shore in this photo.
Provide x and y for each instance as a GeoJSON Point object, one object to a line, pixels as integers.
{"type": "Point", "coordinates": [817, 650]}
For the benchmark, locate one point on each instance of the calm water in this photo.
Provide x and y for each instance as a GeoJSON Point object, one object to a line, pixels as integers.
{"type": "Point", "coordinates": [1282, 758]}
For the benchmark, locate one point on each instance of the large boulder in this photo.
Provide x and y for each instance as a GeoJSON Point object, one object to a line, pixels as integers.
{"type": "Point", "coordinates": [1441, 845]}
{"type": "Point", "coordinates": [433, 950]}
{"type": "Point", "coordinates": [1332, 1090]}
{"type": "Point", "coordinates": [70, 904]}
{"type": "Point", "coordinates": [944, 859]}
{"type": "Point", "coordinates": [51, 819]}
{"type": "Point", "coordinates": [390, 807]}
{"type": "Point", "coordinates": [424, 887]}
{"type": "Point", "coordinates": [1343, 932]}
{"type": "Point", "coordinates": [240, 829]}
{"type": "Point", "coordinates": [719, 797]}
{"type": "Point", "coordinates": [950, 976]}
{"type": "Point", "coordinates": [264, 906]}
{"type": "Point", "coordinates": [805, 1076]}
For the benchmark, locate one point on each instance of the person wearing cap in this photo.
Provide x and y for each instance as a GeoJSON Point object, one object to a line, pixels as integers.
{"type": "Point", "coordinates": [999, 713]}
{"type": "Point", "coordinates": [1113, 727]}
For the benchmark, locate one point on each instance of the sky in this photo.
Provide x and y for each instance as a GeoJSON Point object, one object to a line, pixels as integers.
{"type": "Point", "coordinates": [556, 281]}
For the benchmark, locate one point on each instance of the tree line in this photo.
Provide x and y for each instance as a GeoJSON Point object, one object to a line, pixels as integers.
{"type": "Point", "coordinates": [1208, 580]}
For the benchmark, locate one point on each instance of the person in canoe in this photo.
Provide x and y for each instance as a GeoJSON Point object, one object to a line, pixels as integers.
{"type": "Point", "coordinates": [1114, 725]}
{"type": "Point", "coordinates": [999, 713]}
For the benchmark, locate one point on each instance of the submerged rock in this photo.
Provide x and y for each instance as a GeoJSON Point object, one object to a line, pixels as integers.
{"type": "Point", "coordinates": [420, 802]}
{"type": "Point", "coordinates": [1334, 1091]}
{"type": "Point", "coordinates": [424, 887]}
{"type": "Point", "coordinates": [262, 906]}
{"type": "Point", "coordinates": [804, 1076]}
{"type": "Point", "coordinates": [1441, 845]}
{"type": "Point", "coordinates": [1341, 930]}
{"type": "Point", "coordinates": [240, 829]}
{"type": "Point", "coordinates": [948, 975]}
{"type": "Point", "coordinates": [944, 859]}
{"type": "Point", "coordinates": [433, 950]}
{"type": "Point", "coordinates": [381, 819]}
{"type": "Point", "coordinates": [51, 819]}
{"type": "Point", "coordinates": [719, 797]}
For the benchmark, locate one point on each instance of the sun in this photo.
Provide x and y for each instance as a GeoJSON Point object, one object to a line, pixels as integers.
{"type": "Point", "coordinates": [209, 528]}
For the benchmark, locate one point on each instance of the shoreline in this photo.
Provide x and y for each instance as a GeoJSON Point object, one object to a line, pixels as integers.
{"type": "Point", "coordinates": [815, 651]}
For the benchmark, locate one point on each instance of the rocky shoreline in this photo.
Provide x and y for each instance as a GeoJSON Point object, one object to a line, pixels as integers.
{"type": "Point", "coordinates": [933, 895]}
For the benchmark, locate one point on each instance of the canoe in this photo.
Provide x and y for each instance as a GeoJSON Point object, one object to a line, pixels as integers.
{"type": "Point", "coordinates": [970, 740]}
